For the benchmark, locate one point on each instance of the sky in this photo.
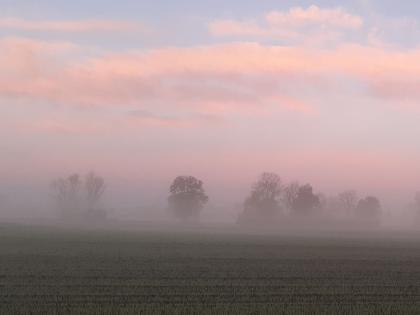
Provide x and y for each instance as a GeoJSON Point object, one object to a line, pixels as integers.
{"type": "Point", "coordinates": [324, 92]}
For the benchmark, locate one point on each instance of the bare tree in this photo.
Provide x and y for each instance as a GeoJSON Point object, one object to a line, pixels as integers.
{"type": "Point", "coordinates": [187, 197]}
{"type": "Point", "coordinates": [264, 200]}
{"type": "Point", "coordinates": [95, 187]}
{"type": "Point", "coordinates": [290, 194]}
{"type": "Point", "coordinates": [348, 201]}
{"type": "Point", "coordinates": [66, 193]}
{"type": "Point", "coordinates": [77, 200]}
{"type": "Point", "coordinates": [268, 186]}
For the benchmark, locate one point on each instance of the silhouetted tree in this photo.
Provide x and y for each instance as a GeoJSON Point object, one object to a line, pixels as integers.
{"type": "Point", "coordinates": [187, 197]}
{"type": "Point", "coordinates": [323, 201]}
{"type": "Point", "coordinates": [369, 209]}
{"type": "Point", "coordinates": [77, 200]}
{"type": "Point", "coordinates": [264, 200]}
{"type": "Point", "coordinates": [348, 201]}
{"type": "Point", "coordinates": [95, 187]}
{"type": "Point", "coordinates": [306, 201]}
{"type": "Point", "coordinates": [290, 194]}
{"type": "Point", "coordinates": [66, 193]}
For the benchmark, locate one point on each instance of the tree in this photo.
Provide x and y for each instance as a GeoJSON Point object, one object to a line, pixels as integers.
{"type": "Point", "coordinates": [77, 199]}
{"type": "Point", "coordinates": [95, 187]}
{"type": "Point", "coordinates": [306, 201]}
{"type": "Point", "coordinates": [187, 197]}
{"type": "Point", "coordinates": [323, 201]}
{"type": "Point", "coordinates": [264, 200]}
{"type": "Point", "coordinates": [348, 201]}
{"type": "Point", "coordinates": [66, 193]}
{"type": "Point", "coordinates": [290, 194]}
{"type": "Point", "coordinates": [369, 209]}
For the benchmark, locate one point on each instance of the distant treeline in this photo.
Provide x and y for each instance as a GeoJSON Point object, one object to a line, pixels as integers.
{"type": "Point", "coordinates": [269, 201]}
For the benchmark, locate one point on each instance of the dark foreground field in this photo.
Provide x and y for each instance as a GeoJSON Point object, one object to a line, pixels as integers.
{"type": "Point", "coordinates": [48, 271]}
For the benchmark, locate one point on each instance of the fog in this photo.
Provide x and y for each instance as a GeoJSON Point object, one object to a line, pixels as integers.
{"type": "Point", "coordinates": [258, 205]}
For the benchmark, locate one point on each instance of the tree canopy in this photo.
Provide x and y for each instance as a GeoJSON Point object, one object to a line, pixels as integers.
{"type": "Point", "coordinates": [264, 201]}
{"type": "Point", "coordinates": [306, 201]}
{"type": "Point", "coordinates": [187, 197]}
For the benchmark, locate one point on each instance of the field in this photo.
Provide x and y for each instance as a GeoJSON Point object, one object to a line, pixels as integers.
{"type": "Point", "coordinates": [53, 271]}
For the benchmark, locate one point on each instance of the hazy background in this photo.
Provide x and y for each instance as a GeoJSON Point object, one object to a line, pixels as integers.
{"type": "Point", "coordinates": [324, 92]}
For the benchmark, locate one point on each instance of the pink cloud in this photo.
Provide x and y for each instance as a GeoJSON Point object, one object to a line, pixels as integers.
{"type": "Point", "coordinates": [183, 120]}
{"type": "Point", "coordinates": [181, 77]}
{"type": "Point", "coordinates": [54, 126]}
{"type": "Point", "coordinates": [213, 79]}
{"type": "Point", "coordinates": [402, 90]}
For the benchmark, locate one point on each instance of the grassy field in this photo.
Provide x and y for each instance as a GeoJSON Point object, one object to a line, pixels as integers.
{"type": "Point", "coordinates": [52, 271]}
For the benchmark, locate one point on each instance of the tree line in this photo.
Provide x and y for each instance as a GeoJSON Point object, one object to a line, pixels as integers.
{"type": "Point", "coordinates": [270, 200]}
{"type": "Point", "coordinates": [78, 198]}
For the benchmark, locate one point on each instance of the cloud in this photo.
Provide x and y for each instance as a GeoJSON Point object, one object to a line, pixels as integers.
{"type": "Point", "coordinates": [218, 79]}
{"type": "Point", "coordinates": [63, 127]}
{"type": "Point", "coordinates": [297, 24]}
{"type": "Point", "coordinates": [164, 78]}
{"type": "Point", "coordinates": [313, 15]}
{"type": "Point", "coordinates": [395, 31]}
{"type": "Point", "coordinates": [249, 28]}
{"type": "Point", "coordinates": [402, 90]}
{"type": "Point", "coordinates": [179, 119]}
{"type": "Point", "coordinates": [69, 26]}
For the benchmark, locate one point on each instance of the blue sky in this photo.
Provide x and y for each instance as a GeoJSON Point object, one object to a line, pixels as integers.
{"type": "Point", "coordinates": [182, 9]}
{"type": "Point", "coordinates": [183, 22]}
